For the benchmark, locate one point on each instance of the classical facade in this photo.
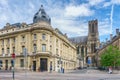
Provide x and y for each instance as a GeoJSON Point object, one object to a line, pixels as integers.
{"type": "Point", "coordinates": [114, 40]}
{"type": "Point", "coordinates": [87, 45]}
{"type": "Point", "coordinates": [36, 46]}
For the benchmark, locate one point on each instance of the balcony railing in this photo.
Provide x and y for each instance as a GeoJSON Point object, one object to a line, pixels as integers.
{"type": "Point", "coordinates": [42, 53]}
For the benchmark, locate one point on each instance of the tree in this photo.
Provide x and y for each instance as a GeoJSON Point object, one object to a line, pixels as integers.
{"type": "Point", "coordinates": [111, 57]}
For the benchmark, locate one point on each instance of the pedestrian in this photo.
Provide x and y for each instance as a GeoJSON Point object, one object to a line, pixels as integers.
{"type": "Point", "coordinates": [50, 68]}
{"type": "Point", "coordinates": [110, 70]}
{"type": "Point", "coordinates": [10, 68]}
{"type": "Point", "coordinates": [30, 67]}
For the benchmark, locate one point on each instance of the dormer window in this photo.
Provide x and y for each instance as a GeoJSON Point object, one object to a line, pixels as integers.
{"type": "Point", "coordinates": [43, 16]}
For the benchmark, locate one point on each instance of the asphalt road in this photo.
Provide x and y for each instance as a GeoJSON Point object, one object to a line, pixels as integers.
{"type": "Point", "coordinates": [69, 75]}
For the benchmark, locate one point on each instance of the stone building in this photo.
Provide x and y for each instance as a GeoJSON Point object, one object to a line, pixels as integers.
{"type": "Point", "coordinates": [37, 46]}
{"type": "Point", "coordinates": [87, 45]}
{"type": "Point", "coordinates": [114, 40]}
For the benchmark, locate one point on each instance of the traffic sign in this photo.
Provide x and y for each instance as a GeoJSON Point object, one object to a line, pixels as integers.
{"type": "Point", "coordinates": [13, 55]}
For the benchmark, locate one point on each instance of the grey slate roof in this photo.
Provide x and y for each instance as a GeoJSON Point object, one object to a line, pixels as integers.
{"type": "Point", "coordinates": [16, 25]}
{"type": "Point", "coordinates": [41, 16]}
{"type": "Point", "coordinates": [79, 39]}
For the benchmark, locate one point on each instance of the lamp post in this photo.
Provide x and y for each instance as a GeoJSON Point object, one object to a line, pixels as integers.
{"type": "Point", "coordinates": [25, 62]}
{"type": "Point", "coordinates": [97, 48]}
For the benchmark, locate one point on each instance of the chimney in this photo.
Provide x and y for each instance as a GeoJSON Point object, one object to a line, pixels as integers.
{"type": "Point", "coordinates": [65, 35]}
{"type": "Point", "coordinates": [117, 32]}
{"type": "Point", "coordinates": [111, 35]}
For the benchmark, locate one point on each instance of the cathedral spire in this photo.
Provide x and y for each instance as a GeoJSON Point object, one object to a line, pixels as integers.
{"type": "Point", "coordinates": [41, 16]}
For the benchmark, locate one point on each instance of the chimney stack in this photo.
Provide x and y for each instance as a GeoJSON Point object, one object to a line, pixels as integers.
{"type": "Point", "coordinates": [117, 32]}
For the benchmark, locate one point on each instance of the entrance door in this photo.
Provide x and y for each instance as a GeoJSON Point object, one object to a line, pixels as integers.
{"type": "Point", "coordinates": [43, 64]}
{"type": "Point", "coordinates": [6, 64]}
{"type": "Point", "coordinates": [34, 65]}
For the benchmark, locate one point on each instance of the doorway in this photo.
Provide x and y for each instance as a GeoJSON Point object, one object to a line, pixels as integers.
{"type": "Point", "coordinates": [6, 64]}
{"type": "Point", "coordinates": [34, 65]}
{"type": "Point", "coordinates": [43, 64]}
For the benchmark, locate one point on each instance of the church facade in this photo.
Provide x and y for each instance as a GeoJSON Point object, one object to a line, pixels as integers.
{"type": "Point", "coordinates": [36, 46]}
{"type": "Point", "coordinates": [87, 46]}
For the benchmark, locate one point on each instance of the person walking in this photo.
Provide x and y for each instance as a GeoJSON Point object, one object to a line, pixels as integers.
{"type": "Point", "coordinates": [110, 70]}
{"type": "Point", "coordinates": [50, 68]}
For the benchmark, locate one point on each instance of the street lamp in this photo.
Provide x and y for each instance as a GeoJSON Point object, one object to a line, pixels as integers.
{"type": "Point", "coordinates": [97, 48]}
{"type": "Point", "coordinates": [25, 60]}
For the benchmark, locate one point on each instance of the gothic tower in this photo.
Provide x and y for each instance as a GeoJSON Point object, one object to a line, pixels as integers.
{"type": "Point", "coordinates": [93, 42]}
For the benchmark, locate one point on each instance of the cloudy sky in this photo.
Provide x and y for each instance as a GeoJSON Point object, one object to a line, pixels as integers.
{"type": "Point", "coordinates": [70, 16]}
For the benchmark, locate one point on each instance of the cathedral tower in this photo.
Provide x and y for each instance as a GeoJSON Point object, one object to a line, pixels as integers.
{"type": "Point", "coordinates": [93, 42]}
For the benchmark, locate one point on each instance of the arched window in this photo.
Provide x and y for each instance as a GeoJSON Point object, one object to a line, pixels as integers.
{"type": "Point", "coordinates": [82, 50]}
{"type": "Point", "coordinates": [92, 28]}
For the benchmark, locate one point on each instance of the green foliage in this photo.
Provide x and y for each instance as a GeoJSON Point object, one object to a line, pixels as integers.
{"type": "Point", "coordinates": [111, 57]}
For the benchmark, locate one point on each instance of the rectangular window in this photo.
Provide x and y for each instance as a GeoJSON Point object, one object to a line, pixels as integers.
{"type": "Point", "coordinates": [43, 36]}
{"type": "Point", "coordinates": [23, 47]}
{"type": "Point", "coordinates": [43, 47]}
{"type": "Point", "coordinates": [8, 50]}
{"type": "Point", "coordinates": [35, 36]}
{"type": "Point", "coordinates": [56, 40]}
{"type": "Point", "coordinates": [21, 62]}
{"type": "Point", "coordinates": [23, 38]}
{"type": "Point", "coordinates": [50, 47]}
{"type": "Point", "coordinates": [2, 42]}
{"type": "Point", "coordinates": [13, 49]}
{"type": "Point", "coordinates": [35, 47]}
{"type": "Point", "coordinates": [56, 51]}
{"type": "Point", "coordinates": [2, 50]}
{"type": "Point", "coordinates": [14, 40]}
{"type": "Point", "coordinates": [8, 41]}
{"type": "Point", "coordinates": [50, 38]}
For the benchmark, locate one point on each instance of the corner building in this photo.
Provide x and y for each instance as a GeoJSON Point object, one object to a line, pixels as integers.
{"type": "Point", "coordinates": [37, 46]}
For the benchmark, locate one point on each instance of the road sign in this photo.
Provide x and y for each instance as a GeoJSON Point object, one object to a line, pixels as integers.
{"type": "Point", "coordinates": [89, 60]}
{"type": "Point", "coordinates": [13, 55]}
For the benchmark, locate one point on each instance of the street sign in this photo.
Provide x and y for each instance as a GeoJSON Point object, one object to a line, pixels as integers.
{"type": "Point", "coordinates": [13, 55]}
{"type": "Point", "coordinates": [89, 60]}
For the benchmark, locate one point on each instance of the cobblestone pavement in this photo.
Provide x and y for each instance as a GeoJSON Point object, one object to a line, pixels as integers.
{"type": "Point", "coordinates": [69, 75]}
